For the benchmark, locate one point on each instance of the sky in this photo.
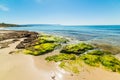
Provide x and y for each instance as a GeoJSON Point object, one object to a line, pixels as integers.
{"type": "Point", "coordinates": [66, 12]}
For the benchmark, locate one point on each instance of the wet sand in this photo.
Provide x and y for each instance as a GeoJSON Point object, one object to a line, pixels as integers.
{"type": "Point", "coordinates": [18, 66]}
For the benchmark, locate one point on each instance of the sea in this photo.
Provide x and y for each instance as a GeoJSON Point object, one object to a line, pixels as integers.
{"type": "Point", "coordinates": [97, 33]}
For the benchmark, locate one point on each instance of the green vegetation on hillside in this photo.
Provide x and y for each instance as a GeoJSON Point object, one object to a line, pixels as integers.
{"type": "Point", "coordinates": [7, 25]}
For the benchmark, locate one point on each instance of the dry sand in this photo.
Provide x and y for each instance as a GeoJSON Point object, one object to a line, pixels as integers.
{"type": "Point", "coordinates": [27, 67]}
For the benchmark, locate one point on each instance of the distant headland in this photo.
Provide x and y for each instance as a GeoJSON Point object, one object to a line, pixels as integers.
{"type": "Point", "coordinates": [8, 25]}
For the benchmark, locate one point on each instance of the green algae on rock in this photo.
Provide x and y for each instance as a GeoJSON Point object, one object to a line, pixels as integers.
{"type": "Point", "coordinates": [45, 44]}
{"type": "Point", "coordinates": [72, 65]}
{"type": "Point", "coordinates": [77, 48]}
{"type": "Point", "coordinates": [41, 49]}
{"type": "Point", "coordinates": [50, 39]}
{"type": "Point", "coordinates": [61, 57]}
{"type": "Point", "coordinates": [72, 56]}
{"type": "Point", "coordinates": [91, 60]}
{"type": "Point", "coordinates": [95, 58]}
{"type": "Point", "coordinates": [110, 62]}
{"type": "Point", "coordinates": [98, 52]}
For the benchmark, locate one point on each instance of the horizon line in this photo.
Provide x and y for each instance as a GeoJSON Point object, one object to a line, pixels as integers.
{"type": "Point", "coordinates": [65, 24]}
{"type": "Point", "coordinates": [75, 25]}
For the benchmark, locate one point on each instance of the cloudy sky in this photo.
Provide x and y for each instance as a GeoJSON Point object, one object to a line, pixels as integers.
{"type": "Point", "coordinates": [68, 12]}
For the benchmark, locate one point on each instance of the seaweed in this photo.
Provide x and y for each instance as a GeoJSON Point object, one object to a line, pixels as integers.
{"type": "Point", "coordinates": [40, 49]}
{"type": "Point", "coordinates": [50, 39]}
{"type": "Point", "coordinates": [77, 48]}
{"type": "Point", "coordinates": [45, 44]}
{"type": "Point", "coordinates": [110, 62]}
{"type": "Point", "coordinates": [92, 60]}
{"type": "Point", "coordinates": [61, 57]}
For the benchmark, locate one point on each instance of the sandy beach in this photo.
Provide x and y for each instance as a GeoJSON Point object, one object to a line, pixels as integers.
{"type": "Point", "coordinates": [28, 67]}
{"type": "Point", "coordinates": [59, 39]}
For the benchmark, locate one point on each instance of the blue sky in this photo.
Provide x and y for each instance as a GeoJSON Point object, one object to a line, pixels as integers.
{"type": "Point", "coordinates": [67, 12]}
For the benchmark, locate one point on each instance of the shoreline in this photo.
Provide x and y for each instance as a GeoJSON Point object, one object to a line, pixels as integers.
{"type": "Point", "coordinates": [27, 67]}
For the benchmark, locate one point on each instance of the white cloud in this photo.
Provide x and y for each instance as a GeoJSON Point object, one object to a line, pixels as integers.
{"type": "Point", "coordinates": [3, 8]}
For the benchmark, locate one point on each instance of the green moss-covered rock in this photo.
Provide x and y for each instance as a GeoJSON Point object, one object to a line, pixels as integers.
{"type": "Point", "coordinates": [45, 44]}
{"type": "Point", "coordinates": [110, 62]}
{"type": "Point", "coordinates": [77, 48]}
{"type": "Point", "coordinates": [61, 57]}
{"type": "Point", "coordinates": [70, 61]}
{"type": "Point", "coordinates": [74, 66]}
{"type": "Point", "coordinates": [41, 49]}
{"type": "Point", "coordinates": [96, 52]}
{"type": "Point", "coordinates": [51, 39]}
{"type": "Point", "coordinates": [46, 39]}
{"type": "Point", "coordinates": [26, 51]}
{"type": "Point", "coordinates": [92, 60]}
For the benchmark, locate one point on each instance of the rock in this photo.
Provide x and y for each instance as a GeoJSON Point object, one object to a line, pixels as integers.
{"type": "Point", "coordinates": [19, 34]}
{"type": "Point", "coordinates": [21, 45]}
{"type": "Point", "coordinates": [77, 48]}
{"type": "Point", "coordinates": [39, 49]}
{"type": "Point", "coordinates": [26, 43]}
{"type": "Point", "coordinates": [29, 40]}
{"type": "Point", "coordinates": [15, 40]}
{"type": "Point", "coordinates": [11, 52]}
{"type": "Point", "coordinates": [4, 45]}
{"type": "Point", "coordinates": [71, 75]}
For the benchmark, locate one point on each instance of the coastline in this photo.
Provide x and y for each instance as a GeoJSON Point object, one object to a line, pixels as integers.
{"type": "Point", "coordinates": [27, 67]}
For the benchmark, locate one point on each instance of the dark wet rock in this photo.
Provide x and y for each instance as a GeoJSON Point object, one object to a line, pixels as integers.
{"type": "Point", "coordinates": [25, 44]}
{"type": "Point", "coordinates": [29, 41]}
{"type": "Point", "coordinates": [18, 34]}
{"type": "Point", "coordinates": [30, 38]}
{"type": "Point", "coordinates": [11, 52]}
{"type": "Point", "coordinates": [71, 75]}
{"type": "Point", "coordinates": [15, 40]}
{"type": "Point", "coordinates": [21, 45]}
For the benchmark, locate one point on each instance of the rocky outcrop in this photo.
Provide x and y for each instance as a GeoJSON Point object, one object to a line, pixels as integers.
{"type": "Point", "coordinates": [29, 40]}
{"type": "Point", "coordinates": [18, 34]}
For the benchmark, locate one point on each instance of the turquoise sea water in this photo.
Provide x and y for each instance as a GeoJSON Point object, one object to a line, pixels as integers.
{"type": "Point", "coordinates": [109, 34]}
